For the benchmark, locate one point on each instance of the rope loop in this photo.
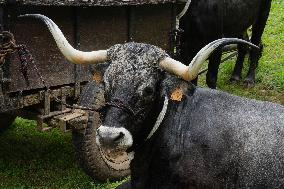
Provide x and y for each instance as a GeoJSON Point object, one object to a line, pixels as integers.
{"type": "Point", "coordinates": [7, 45]}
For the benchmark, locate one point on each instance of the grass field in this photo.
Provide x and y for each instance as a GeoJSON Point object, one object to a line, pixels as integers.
{"type": "Point", "coordinates": [32, 159]}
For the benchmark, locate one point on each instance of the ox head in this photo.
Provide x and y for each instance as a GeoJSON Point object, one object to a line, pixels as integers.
{"type": "Point", "coordinates": [133, 84]}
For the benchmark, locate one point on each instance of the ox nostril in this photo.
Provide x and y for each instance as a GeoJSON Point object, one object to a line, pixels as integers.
{"type": "Point", "coordinates": [119, 137]}
{"type": "Point", "coordinates": [98, 133]}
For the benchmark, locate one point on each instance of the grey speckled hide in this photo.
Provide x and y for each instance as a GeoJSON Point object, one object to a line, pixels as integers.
{"type": "Point", "coordinates": [132, 64]}
{"type": "Point", "coordinates": [214, 140]}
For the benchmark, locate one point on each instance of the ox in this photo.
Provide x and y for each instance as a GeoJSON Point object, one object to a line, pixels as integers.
{"type": "Point", "coordinates": [182, 136]}
{"type": "Point", "coordinates": [208, 20]}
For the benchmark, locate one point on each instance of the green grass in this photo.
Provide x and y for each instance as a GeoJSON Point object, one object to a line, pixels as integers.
{"type": "Point", "coordinates": [32, 159]}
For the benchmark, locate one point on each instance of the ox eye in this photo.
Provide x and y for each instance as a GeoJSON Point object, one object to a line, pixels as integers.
{"type": "Point", "coordinates": [148, 91]}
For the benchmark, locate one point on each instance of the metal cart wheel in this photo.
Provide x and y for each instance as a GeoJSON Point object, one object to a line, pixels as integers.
{"type": "Point", "coordinates": [6, 119]}
{"type": "Point", "coordinates": [98, 163]}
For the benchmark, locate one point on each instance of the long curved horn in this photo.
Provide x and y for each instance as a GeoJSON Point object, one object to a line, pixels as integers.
{"type": "Point", "coordinates": [73, 55]}
{"type": "Point", "coordinates": [190, 72]}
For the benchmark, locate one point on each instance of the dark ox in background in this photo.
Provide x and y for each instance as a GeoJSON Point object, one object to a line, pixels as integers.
{"type": "Point", "coordinates": [208, 20]}
{"type": "Point", "coordinates": [182, 136]}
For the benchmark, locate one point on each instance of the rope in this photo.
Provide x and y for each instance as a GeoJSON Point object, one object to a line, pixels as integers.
{"type": "Point", "coordinates": [120, 105]}
{"type": "Point", "coordinates": [176, 32]}
{"type": "Point", "coordinates": [160, 118]}
{"type": "Point", "coordinates": [182, 13]}
{"type": "Point", "coordinates": [8, 46]}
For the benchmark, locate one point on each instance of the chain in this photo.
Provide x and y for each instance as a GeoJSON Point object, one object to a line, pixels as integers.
{"type": "Point", "coordinates": [182, 13]}
{"type": "Point", "coordinates": [120, 105]}
{"type": "Point", "coordinates": [177, 31]}
{"type": "Point", "coordinates": [7, 46]}
{"type": "Point", "coordinates": [76, 106]}
{"type": "Point", "coordinates": [26, 57]}
{"type": "Point", "coordinates": [176, 41]}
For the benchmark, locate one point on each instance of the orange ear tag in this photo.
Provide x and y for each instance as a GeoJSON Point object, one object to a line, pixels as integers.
{"type": "Point", "coordinates": [97, 77]}
{"type": "Point", "coordinates": [177, 95]}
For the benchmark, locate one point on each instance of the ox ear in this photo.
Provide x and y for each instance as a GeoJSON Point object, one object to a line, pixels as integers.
{"type": "Point", "coordinates": [176, 89]}
{"type": "Point", "coordinates": [98, 70]}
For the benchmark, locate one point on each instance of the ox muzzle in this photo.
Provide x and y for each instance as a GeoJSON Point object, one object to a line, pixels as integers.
{"type": "Point", "coordinates": [113, 137]}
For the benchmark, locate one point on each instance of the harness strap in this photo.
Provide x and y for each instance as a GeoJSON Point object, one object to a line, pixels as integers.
{"type": "Point", "coordinates": [119, 104]}
{"type": "Point", "coordinates": [160, 118]}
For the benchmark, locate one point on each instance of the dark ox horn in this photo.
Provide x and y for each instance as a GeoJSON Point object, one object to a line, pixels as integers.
{"type": "Point", "coordinates": [73, 55]}
{"type": "Point", "coordinates": [190, 72]}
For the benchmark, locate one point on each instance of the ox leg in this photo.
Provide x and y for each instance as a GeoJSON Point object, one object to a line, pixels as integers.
{"type": "Point", "coordinates": [237, 73]}
{"type": "Point", "coordinates": [253, 63]}
{"type": "Point", "coordinates": [213, 67]}
{"type": "Point", "coordinates": [257, 31]}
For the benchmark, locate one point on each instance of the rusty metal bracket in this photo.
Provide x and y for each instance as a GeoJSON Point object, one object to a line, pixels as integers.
{"type": "Point", "coordinates": [63, 98]}
{"type": "Point", "coordinates": [77, 89]}
{"type": "Point", "coordinates": [41, 118]}
{"type": "Point", "coordinates": [77, 115]}
{"type": "Point", "coordinates": [75, 119]}
{"type": "Point", "coordinates": [46, 112]}
{"type": "Point", "coordinates": [47, 102]}
{"type": "Point", "coordinates": [60, 117]}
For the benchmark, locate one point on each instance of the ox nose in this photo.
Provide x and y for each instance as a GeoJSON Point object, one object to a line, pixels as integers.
{"type": "Point", "coordinates": [113, 137]}
{"type": "Point", "coordinates": [108, 138]}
